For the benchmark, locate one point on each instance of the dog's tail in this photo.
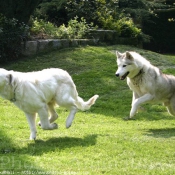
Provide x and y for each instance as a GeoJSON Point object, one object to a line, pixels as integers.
{"type": "Point", "coordinates": [82, 105]}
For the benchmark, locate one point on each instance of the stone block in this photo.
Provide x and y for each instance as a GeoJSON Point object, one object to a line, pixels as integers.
{"type": "Point", "coordinates": [65, 43]}
{"type": "Point", "coordinates": [43, 45]}
{"type": "Point", "coordinates": [29, 48]}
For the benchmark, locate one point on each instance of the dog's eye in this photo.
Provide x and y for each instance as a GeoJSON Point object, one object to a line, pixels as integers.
{"type": "Point", "coordinates": [124, 65]}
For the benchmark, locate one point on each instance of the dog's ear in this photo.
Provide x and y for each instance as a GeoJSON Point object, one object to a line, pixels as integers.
{"type": "Point", "coordinates": [129, 56]}
{"type": "Point", "coordinates": [11, 79]}
{"type": "Point", "coordinates": [118, 54]}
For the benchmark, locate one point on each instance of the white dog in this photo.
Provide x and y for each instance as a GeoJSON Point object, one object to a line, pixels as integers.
{"type": "Point", "coordinates": [38, 92]}
{"type": "Point", "coordinates": [146, 81]}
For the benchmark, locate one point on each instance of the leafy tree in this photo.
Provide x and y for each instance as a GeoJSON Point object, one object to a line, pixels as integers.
{"type": "Point", "coordinates": [53, 11]}
{"type": "Point", "coordinates": [103, 13]}
{"type": "Point", "coordinates": [156, 18]}
{"type": "Point", "coordinates": [12, 33]}
{"type": "Point", "coordinates": [59, 13]}
{"type": "Point", "coordinates": [19, 9]}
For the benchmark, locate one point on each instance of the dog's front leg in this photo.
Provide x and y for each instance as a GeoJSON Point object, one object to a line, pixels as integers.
{"type": "Point", "coordinates": [71, 116]}
{"type": "Point", "coordinates": [134, 97]}
{"type": "Point", "coordinates": [137, 102]}
{"type": "Point", "coordinates": [31, 120]}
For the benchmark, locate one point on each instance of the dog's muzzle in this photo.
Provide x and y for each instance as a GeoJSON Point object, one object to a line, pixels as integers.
{"type": "Point", "coordinates": [122, 77]}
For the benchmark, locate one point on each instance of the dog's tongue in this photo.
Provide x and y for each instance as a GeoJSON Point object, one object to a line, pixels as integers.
{"type": "Point", "coordinates": [122, 78]}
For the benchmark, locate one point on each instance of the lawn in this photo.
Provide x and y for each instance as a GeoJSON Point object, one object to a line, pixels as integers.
{"type": "Point", "coordinates": [99, 140]}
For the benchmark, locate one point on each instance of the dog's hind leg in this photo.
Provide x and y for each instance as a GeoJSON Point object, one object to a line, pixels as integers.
{"type": "Point", "coordinates": [45, 123]}
{"type": "Point", "coordinates": [71, 116]}
{"type": "Point", "coordinates": [170, 110]}
{"type": "Point", "coordinates": [53, 114]}
{"type": "Point", "coordinates": [31, 120]}
{"type": "Point", "coordinates": [170, 106]}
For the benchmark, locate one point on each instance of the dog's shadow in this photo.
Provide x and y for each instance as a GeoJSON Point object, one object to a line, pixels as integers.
{"type": "Point", "coordinates": [164, 133]}
{"type": "Point", "coordinates": [59, 143]}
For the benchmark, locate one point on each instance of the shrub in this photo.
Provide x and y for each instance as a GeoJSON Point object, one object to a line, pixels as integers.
{"type": "Point", "coordinates": [39, 26]}
{"type": "Point", "coordinates": [74, 29]}
{"type": "Point", "coordinates": [12, 33]}
{"type": "Point", "coordinates": [127, 28]}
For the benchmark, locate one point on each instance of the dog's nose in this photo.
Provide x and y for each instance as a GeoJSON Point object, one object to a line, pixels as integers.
{"type": "Point", "coordinates": [117, 75]}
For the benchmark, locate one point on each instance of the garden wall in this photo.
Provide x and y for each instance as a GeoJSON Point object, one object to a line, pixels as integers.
{"type": "Point", "coordinates": [39, 46]}
{"type": "Point", "coordinates": [98, 36]}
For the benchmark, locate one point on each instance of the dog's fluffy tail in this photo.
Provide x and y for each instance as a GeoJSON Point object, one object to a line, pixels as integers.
{"type": "Point", "coordinates": [82, 105]}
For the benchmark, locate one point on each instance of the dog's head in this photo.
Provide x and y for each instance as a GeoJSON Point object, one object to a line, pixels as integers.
{"type": "Point", "coordinates": [125, 64]}
{"type": "Point", "coordinates": [129, 64]}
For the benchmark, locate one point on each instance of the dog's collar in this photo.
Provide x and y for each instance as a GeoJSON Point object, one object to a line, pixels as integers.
{"type": "Point", "coordinates": [140, 72]}
{"type": "Point", "coordinates": [13, 99]}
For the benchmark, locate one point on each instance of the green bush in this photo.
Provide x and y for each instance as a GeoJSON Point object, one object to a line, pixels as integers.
{"type": "Point", "coordinates": [39, 26]}
{"type": "Point", "coordinates": [12, 33]}
{"type": "Point", "coordinates": [124, 26]}
{"type": "Point", "coordinates": [127, 28]}
{"type": "Point", "coordinates": [74, 29]}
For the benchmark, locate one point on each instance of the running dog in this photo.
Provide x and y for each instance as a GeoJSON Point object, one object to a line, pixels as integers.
{"type": "Point", "coordinates": [146, 81]}
{"type": "Point", "coordinates": [38, 92]}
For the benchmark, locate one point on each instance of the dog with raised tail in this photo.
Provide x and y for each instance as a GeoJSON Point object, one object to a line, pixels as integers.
{"type": "Point", "coordinates": [146, 81]}
{"type": "Point", "coordinates": [39, 92]}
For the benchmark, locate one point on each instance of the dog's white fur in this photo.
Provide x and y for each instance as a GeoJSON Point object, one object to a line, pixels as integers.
{"type": "Point", "coordinates": [38, 92]}
{"type": "Point", "coordinates": [146, 81]}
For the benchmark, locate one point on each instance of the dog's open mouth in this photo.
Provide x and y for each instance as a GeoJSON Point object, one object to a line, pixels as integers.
{"type": "Point", "coordinates": [124, 76]}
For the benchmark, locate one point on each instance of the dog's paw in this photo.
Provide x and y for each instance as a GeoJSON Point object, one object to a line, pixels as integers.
{"type": "Point", "coordinates": [39, 123]}
{"type": "Point", "coordinates": [32, 136]}
{"type": "Point", "coordinates": [68, 126]}
{"type": "Point", "coordinates": [54, 126]}
{"type": "Point", "coordinates": [128, 118]}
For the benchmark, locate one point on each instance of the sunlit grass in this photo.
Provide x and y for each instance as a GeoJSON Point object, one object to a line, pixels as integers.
{"type": "Point", "coordinates": [99, 140]}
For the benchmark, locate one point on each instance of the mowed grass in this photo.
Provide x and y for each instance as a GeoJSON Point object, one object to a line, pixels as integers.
{"type": "Point", "coordinates": [99, 140]}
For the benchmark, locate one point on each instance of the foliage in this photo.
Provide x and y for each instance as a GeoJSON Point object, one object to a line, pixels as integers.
{"type": "Point", "coordinates": [103, 13]}
{"type": "Point", "coordinates": [99, 140]}
{"type": "Point", "coordinates": [97, 11]}
{"type": "Point", "coordinates": [127, 28]}
{"type": "Point", "coordinates": [74, 29]}
{"type": "Point", "coordinates": [12, 33]}
{"type": "Point", "coordinates": [152, 17]}
{"type": "Point", "coordinates": [52, 11]}
{"type": "Point", "coordinates": [20, 10]}
{"type": "Point", "coordinates": [39, 26]}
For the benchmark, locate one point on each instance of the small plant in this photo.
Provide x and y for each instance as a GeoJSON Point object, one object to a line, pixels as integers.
{"type": "Point", "coordinates": [75, 29]}
{"type": "Point", "coordinates": [39, 26]}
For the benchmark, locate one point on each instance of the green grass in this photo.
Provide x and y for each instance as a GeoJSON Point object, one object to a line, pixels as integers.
{"type": "Point", "coordinates": [99, 141]}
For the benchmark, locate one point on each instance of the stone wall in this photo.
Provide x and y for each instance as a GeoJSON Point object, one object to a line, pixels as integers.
{"type": "Point", "coordinates": [39, 46]}
{"type": "Point", "coordinates": [98, 36]}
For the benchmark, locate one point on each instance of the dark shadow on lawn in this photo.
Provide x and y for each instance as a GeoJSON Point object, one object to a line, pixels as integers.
{"type": "Point", "coordinates": [158, 133]}
{"type": "Point", "coordinates": [14, 162]}
{"type": "Point", "coordinates": [60, 143]}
